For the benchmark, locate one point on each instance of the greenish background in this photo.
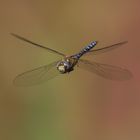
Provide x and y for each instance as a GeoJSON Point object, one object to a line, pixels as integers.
{"type": "Point", "coordinates": [81, 105]}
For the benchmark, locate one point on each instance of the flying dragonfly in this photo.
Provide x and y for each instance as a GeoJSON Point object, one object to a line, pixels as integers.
{"type": "Point", "coordinates": [68, 63]}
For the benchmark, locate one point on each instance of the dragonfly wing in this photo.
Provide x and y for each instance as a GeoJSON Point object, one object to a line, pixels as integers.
{"type": "Point", "coordinates": [37, 76]}
{"type": "Point", "coordinates": [105, 71]}
{"type": "Point", "coordinates": [35, 44]}
{"type": "Point", "coordinates": [106, 49]}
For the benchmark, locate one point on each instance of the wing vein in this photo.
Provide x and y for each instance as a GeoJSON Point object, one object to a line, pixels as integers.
{"type": "Point", "coordinates": [41, 46]}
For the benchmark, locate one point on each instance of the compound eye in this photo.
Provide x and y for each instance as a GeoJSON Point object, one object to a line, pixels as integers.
{"type": "Point", "coordinates": [61, 69]}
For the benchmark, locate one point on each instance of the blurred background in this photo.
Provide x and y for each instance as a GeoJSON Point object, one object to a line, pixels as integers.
{"type": "Point", "coordinates": [81, 105]}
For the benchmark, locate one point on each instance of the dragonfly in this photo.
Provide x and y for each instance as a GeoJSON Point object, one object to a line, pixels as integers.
{"type": "Point", "coordinates": [67, 64]}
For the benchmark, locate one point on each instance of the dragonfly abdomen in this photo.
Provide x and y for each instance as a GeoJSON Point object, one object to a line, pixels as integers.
{"type": "Point", "coordinates": [86, 49]}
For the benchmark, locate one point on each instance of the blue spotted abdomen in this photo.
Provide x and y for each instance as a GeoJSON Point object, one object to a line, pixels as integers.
{"type": "Point", "coordinates": [86, 49]}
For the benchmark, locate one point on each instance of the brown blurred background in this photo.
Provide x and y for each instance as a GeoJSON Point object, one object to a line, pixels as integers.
{"type": "Point", "coordinates": [81, 105]}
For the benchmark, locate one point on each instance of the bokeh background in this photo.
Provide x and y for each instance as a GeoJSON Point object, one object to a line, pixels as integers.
{"type": "Point", "coordinates": [81, 105]}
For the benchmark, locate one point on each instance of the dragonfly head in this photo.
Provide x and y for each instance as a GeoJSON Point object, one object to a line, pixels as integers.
{"type": "Point", "coordinates": [65, 65]}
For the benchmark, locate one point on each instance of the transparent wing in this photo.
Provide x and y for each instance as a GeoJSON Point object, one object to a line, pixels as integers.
{"type": "Point", "coordinates": [41, 46]}
{"type": "Point", "coordinates": [37, 76]}
{"type": "Point", "coordinates": [106, 49]}
{"type": "Point", "coordinates": [105, 71]}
